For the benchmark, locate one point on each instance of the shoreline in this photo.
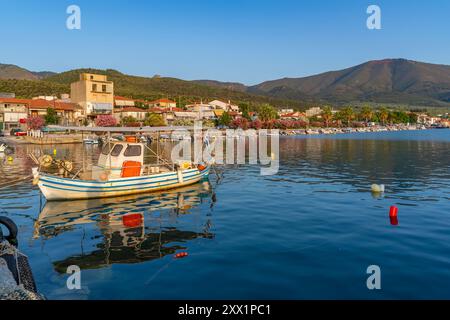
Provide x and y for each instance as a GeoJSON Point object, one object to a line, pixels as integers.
{"type": "Point", "coordinates": [347, 130]}
{"type": "Point", "coordinates": [76, 138]}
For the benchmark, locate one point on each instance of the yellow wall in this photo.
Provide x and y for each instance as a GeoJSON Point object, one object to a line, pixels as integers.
{"type": "Point", "coordinates": [82, 91]}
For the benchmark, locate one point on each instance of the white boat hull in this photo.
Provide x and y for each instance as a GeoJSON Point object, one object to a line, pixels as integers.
{"type": "Point", "coordinates": [58, 188]}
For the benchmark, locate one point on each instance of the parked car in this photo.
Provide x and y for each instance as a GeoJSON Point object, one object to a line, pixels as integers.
{"type": "Point", "coordinates": [17, 132]}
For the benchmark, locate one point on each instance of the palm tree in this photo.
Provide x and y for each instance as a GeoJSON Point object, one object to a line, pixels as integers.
{"type": "Point", "coordinates": [383, 114]}
{"type": "Point", "coordinates": [347, 114]}
{"type": "Point", "coordinates": [366, 113]}
{"type": "Point", "coordinates": [327, 115]}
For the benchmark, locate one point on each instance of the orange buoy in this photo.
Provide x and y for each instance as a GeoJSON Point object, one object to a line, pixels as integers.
{"type": "Point", "coordinates": [181, 255]}
{"type": "Point", "coordinates": [130, 139]}
{"type": "Point", "coordinates": [201, 167]}
{"type": "Point", "coordinates": [393, 211]}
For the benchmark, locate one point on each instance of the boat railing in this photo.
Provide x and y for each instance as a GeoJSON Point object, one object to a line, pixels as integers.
{"type": "Point", "coordinates": [92, 171]}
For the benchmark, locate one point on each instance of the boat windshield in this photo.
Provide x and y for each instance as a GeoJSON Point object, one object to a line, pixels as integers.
{"type": "Point", "coordinates": [107, 149]}
{"type": "Point", "coordinates": [113, 149]}
{"type": "Point", "coordinates": [116, 150]}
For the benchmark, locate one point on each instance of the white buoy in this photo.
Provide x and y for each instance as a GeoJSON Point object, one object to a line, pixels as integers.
{"type": "Point", "coordinates": [377, 188]}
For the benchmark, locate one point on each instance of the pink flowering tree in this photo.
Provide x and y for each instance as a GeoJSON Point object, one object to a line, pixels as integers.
{"type": "Point", "coordinates": [35, 122]}
{"type": "Point", "coordinates": [105, 120]}
{"type": "Point", "coordinates": [256, 124]}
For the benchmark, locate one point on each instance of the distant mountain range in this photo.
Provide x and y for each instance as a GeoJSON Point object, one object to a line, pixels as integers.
{"type": "Point", "coordinates": [10, 71]}
{"type": "Point", "coordinates": [396, 81]}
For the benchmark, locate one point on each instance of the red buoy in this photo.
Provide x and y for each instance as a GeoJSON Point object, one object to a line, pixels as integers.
{"type": "Point", "coordinates": [393, 212]}
{"type": "Point", "coordinates": [181, 255]}
{"type": "Point", "coordinates": [132, 220]}
{"type": "Point", "coordinates": [394, 221]}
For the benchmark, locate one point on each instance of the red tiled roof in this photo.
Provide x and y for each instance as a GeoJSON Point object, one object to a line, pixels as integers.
{"type": "Point", "coordinates": [123, 98]}
{"type": "Point", "coordinates": [163, 101]}
{"type": "Point", "coordinates": [42, 104]}
{"type": "Point", "coordinates": [57, 105]}
{"type": "Point", "coordinates": [14, 100]}
{"type": "Point", "coordinates": [130, 109]}
{"type": "Point", "coordinates": [156, 110]}
{"type": "Point", "coordinates": [293, 115]}
{"type": "Point", "coordinates": [174, 109]}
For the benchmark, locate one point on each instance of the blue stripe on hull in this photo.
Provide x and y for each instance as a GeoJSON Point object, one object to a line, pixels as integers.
{"type": "Point", "coordinates": [160, 175]}
{"type": "Point", "coordinates": [105, 184]}
{"type": "Point", "coordinates": [140, 186]}
{"type": "Point", "coordinates": [86, 192]}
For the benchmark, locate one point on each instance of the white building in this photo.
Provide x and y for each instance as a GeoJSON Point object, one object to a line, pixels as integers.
{"type": "Point", "coordinates": [311, 112]}
{"type": "Point", "coordinates": [286, 111]}
{"type": "Point", "coordinates": [48, 98]}
{"type": "Point", "coordinates": [217, 104]}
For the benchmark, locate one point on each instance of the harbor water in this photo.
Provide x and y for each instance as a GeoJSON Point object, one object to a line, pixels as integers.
{"type": "Point", "coordinates": [308, 232]}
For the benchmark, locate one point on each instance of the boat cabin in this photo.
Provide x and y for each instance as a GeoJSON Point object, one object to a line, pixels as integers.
{"type": "Point", "coordinates": [124, 159]}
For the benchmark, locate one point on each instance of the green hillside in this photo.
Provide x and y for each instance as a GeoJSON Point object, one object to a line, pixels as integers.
{"type": "Point", "coordinates": [161, 87]}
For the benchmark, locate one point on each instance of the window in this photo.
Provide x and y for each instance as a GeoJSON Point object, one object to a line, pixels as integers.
{"type": "Point", "coordinates": [92, 77]}
{"type": "Point", "coordinates": [116, 150]}
{"type": "Point", "coordinates": [94, 87]}
{"type": "Point", "coordinates": [104, 88]}
{"type": "Point", "coordinates": [132, 151]}
{"type": "Point", "coordinates": [107, 149]}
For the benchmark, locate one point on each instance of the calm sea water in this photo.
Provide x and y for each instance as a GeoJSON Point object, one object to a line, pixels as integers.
{"type": "Point", "coordinates": [310, 231]}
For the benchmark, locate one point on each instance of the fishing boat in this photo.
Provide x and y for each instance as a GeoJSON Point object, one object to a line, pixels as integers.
{"type": "Point", "coordinates": [120, 170]}
{"type": "Point", "coordinates": [3, 148]}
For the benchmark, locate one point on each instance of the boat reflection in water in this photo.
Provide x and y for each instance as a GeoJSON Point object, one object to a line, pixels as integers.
{"type": "Point", "coordinates": [131, 227]}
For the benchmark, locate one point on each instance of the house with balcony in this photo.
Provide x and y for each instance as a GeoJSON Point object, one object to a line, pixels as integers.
{"type": "Point", "coordinates": [67, 113]}
{"type": "Point", "coordinates": [163, 103]}
{"type": "Point", "coordinates": [217, 104]}
{"type": "Point", "coordinates": [123, 102]}
{"type": "Point", "coordinates": [137, 113]}
{"type": "Point", "coordinates": [13, 113]}
{"type": "Point", "coordinates": [94, 93]}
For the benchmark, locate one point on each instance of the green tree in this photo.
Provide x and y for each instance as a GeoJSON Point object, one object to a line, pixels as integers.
{"type": "Point", "coordinates": [51, 117]}
{"type": "Point", "coordinates": [366, 114]}
{"type": "Point", "coordinates": [327, 115]}
{"type": "Point", "coordinates": [127, 120]}
{"type": "Point", "coordinates": [346, 114]}
{"type": "Point", "coordinates": [245, 109]}
{"type": "Point", "coordinates": [225, 119]}
{"type": "Point", "coordinates": [412, 117]}
{"type": "Point", "coordinates": [383, 115]}
{"type": "Point", "coordinates": [183, 122]}
{"type": "Point", "coordinates": [154, 120]}
{"type": "Point", "coordinates": [266, 112]}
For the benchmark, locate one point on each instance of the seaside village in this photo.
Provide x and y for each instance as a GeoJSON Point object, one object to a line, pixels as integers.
{"type": "Point", "coordinates": [92, 102]}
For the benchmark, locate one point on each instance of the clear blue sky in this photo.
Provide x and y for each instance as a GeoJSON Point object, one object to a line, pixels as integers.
{"type": "Point", "coordinates": [248, 41]}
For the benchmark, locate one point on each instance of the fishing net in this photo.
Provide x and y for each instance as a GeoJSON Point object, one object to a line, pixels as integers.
{"type": "Point", "coordinates": [16, 278]}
